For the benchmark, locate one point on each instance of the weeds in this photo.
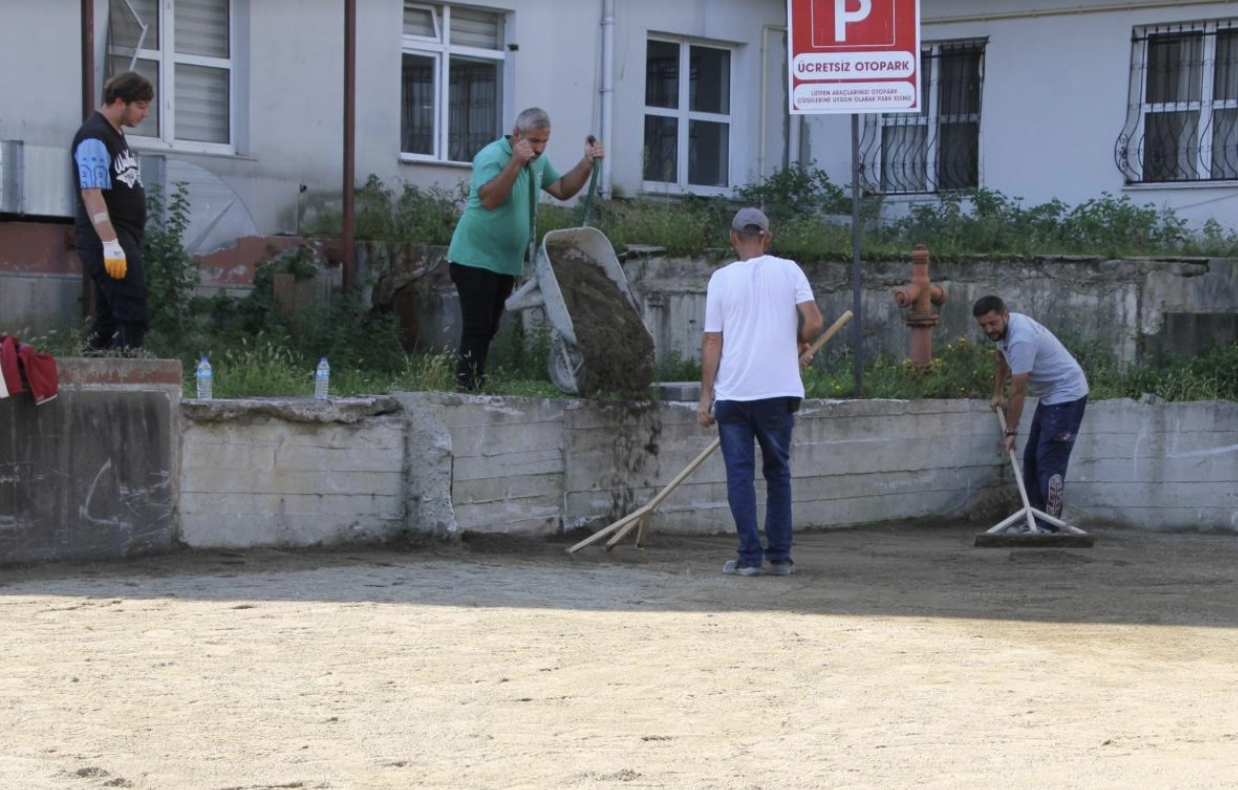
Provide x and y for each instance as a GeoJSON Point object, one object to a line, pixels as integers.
{"type": "Point", "coordinates": [964, 369]}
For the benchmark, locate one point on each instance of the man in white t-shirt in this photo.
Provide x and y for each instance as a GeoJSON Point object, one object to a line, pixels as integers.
{"type": "Point", "coordinates": [1031, 357]}
{"type": "Point", "coordinates": [759, 317]}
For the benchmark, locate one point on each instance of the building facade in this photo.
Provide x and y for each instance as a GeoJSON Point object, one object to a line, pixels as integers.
{"type": "Point", "coordinates": [1042, 99]}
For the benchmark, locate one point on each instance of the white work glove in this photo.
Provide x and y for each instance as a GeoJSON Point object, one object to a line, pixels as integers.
{"type": "Point", "coordinates": [114, 261]}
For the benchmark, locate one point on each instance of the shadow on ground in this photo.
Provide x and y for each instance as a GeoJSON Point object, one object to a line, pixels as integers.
{"type": "Point", "coordinates": [916, 571]}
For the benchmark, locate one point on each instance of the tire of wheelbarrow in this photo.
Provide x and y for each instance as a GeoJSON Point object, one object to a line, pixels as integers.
{"type": "Point", "coordinates": [566, 367]}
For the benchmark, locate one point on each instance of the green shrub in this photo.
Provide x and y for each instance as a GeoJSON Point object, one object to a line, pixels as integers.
{"type": "Point", "coordinates": [171, 274]}
{"type": "Point", "coordinates": [794, 192]}
{"type": "Point", "coordinates": [416, 215]}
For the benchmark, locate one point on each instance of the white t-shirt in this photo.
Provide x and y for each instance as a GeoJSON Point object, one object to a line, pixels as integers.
{"type": "Point", "coordinates": [753, 304]}
{"type": "Point", "coordinates": [1053, 374]}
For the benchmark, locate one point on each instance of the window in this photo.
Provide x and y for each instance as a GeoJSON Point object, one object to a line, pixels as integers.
{"type": "Point", "coordinates": [937, 148]}
{"type": "Point", "coordinates": [450, 83]}
{"type": "Point", "coordinates": [1182, 113]}
{"type": "Point", "coordinates": [687, 117]}
{"type": "Point", "coordinates": [184, 47]}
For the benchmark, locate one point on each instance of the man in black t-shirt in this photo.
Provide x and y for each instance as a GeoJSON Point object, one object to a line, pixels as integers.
{"type": "Point", "coordinates": [111, 213]}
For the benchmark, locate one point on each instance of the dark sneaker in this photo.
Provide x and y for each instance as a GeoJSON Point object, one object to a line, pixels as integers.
{"type": "Point", "coordinates": [733, 568]}
{"type": "Point", "coordinates": [781, 568]}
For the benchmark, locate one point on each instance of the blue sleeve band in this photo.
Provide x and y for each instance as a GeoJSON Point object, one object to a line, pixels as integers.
{"type": "Point", "coordinates": [94, 165]}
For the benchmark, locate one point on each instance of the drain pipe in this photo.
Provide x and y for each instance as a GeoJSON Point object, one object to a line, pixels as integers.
{"type": "Point", "coordinates": [764, 81]}
{"type": "Point", "coordinates": [608, 88]}
{"type": "Point", "coordinates": [88, 58]}
{"type": "Point", "coordinates": [350, 148]}
{"type": "Point", "coordinates": [88, 107]}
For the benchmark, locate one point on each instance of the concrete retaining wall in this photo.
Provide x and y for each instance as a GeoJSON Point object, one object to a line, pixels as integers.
{"type": "Point", "coordinates": [1157, 466]}
{"type": "Point", "coordinates": [533, 466]}
{"type": "Point", "coordinates": [292, 472]}
{"type": "Point", "coordinates": [93, 473]}
{"type": "Point", "coordinates": [118, 465]}
{"type": "Point", "coordinates": [1122, 305]}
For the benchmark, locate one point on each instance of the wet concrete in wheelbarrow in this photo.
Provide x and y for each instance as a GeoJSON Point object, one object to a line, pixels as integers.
{"type": "Point", "coordinates": [616, 346]}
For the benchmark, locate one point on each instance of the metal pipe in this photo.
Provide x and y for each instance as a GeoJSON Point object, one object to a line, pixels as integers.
{"type": "Point", "coordinates": [88, 107]}
{"type": "Point", "coordinates": [88, 58]}
{"type": "Point", "coordinates": [350, 149]}
{"type": "Point", "coordinates": [1075, 10]}
{"type": "Point", "coordinates": [857, 273]}
{"type": "Point", "coordinates": [608, 87]}
{"type": "Point", "coordinates": [764, 136]}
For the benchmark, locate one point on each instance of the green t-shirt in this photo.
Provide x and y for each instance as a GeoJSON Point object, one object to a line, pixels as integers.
{"type": "Point", "coordinates": [496, 239]}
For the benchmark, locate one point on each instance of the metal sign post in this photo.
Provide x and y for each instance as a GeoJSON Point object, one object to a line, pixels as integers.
{"type": "Point", "coordinates": [853, 57]}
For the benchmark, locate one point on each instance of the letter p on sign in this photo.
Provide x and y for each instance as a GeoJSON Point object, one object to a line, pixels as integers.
{"type": "Point", "coordinates": [843, 17]}
{"type": "Point", "coordinates": [853, 24]}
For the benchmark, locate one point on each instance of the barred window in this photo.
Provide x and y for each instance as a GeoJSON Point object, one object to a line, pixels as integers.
{"type": "Point", "coordinates": [451, 81]}
{"type": "Point", "coordinates": [937, 148]}
{"type": "Point", "coordinates": [1182, 111]}
{"type": "Point", "coordinates": [687, 143]}
{"type": "Point", "coordinates": [184, 47]}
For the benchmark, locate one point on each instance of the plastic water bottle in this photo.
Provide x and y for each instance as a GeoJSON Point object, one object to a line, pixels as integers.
{"type": "Point", "coordinates": [322, 379]}
{"type": "Point", "coordinates": [204, 377]}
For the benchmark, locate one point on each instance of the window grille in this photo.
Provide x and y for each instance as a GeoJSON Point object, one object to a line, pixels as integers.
{"type": "Point", "coordinates": [1182, 109]}
{"type": "Point", "coordinates": [451, 81]}
{"type": "Point", "coordinates": [937, 148]}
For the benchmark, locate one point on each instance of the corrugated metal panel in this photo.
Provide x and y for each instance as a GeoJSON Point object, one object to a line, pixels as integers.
{"type": "Point", "coordinates": [35, 180]}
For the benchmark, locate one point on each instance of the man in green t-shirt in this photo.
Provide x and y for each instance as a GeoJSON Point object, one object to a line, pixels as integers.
{"type": "Point", "coordinates": [488, 248]}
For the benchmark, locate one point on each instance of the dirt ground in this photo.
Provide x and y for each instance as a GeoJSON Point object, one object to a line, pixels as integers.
{"type": "Point", "coordinates": [896, 657]}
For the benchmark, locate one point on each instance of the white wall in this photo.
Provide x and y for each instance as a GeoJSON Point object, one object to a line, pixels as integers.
{"type": "Point", "coordinates": [1054, 100]}
{"type": "Point", "coordinates": [40, 58]}
{"type": "Point", "coordinates": [731, 22]}
{"type": "Point", "coordinates": [288, 60]}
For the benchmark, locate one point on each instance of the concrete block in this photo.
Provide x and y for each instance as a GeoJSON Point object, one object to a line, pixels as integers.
{"type": "Point", "coordinates": [533, 464]}
{"type": "Point", "coordinates": [292, 472]}
{"type": "Point", "coordinates": [90, 475]}
{"type": "Point", "coordinates": [505, 490]}
{"type": "Point", "coordinates": [428, 465]}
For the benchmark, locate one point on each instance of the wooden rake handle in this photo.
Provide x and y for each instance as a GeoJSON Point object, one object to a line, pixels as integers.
{"type": "Point", "coordinates": [825, 336]}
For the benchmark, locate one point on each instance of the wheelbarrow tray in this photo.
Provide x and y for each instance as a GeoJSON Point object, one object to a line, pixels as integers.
{"type": "Point", "coordinates": [543, 290]}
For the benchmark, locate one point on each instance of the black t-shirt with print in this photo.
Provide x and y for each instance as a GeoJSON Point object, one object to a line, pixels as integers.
{"type": "Point", "coordinates": [126, 199]}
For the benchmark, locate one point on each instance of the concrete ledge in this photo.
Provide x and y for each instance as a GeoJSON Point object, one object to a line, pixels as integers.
{"type": "Point", "coordinates": [306, 410]}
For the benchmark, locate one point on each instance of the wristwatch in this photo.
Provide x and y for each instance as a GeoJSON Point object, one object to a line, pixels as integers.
{"type": "Point", "coordinates": [1012, 433]}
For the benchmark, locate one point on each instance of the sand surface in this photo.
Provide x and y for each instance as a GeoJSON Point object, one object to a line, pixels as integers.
{"type": "Point", "coordinates": [894, 658]}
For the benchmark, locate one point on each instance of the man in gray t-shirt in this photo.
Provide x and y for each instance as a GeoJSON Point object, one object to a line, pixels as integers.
{"type": "Point", "coordinates": [1031, 357]}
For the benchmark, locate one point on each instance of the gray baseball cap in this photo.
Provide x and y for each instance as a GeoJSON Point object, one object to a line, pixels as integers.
{"type": "Point", "coordinates": [749, 219]}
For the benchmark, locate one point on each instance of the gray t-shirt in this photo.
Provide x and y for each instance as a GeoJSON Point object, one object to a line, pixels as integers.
{"type": "Point", "coordinates": [1053, 374]}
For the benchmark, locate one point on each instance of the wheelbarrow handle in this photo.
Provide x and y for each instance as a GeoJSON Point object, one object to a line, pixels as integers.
{"type": "Point", "coordinates": [593, 182]}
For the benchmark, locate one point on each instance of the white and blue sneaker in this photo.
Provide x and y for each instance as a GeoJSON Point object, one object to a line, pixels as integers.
{"type": "Point", "coordinates": [733, 568]}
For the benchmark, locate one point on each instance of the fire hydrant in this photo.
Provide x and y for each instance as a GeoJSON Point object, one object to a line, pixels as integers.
{"type": "Point", "coordinates": [917, 296]}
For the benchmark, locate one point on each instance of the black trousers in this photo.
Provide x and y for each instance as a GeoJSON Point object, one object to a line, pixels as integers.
{"type": "Point", "coordinates": [482, 294]}
{"type": "Point", "coordinates": [121, 313]}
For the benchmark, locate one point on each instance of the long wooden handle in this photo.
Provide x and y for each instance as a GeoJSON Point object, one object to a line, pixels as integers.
{"type": "Point", "coordinates": [825, 336]}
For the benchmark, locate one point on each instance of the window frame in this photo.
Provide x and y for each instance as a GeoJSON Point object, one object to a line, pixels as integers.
{"type": "Point", "coordinates": [685, 115]}
{"type": "Point", "coordinates": [931, 119]}
{"type": "Point", "coordinates": [168, 58]}
{"type": "Point", "coordinates": [1131, 163]}
{"type": "Point", "coordinates": [441, 50]}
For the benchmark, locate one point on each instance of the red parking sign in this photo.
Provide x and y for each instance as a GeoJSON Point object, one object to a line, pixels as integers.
{"type": "Point", "coordinates": [854, 56]}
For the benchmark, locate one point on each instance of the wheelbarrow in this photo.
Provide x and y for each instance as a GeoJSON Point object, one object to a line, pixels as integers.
{"type": "Point", "coordinates": [566, 360]}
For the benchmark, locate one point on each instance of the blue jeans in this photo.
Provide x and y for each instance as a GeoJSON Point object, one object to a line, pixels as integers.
{"type": "Point", "coordinates": [769, 422]}
{"type": "Point", "coordinates": [1047, 454]}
